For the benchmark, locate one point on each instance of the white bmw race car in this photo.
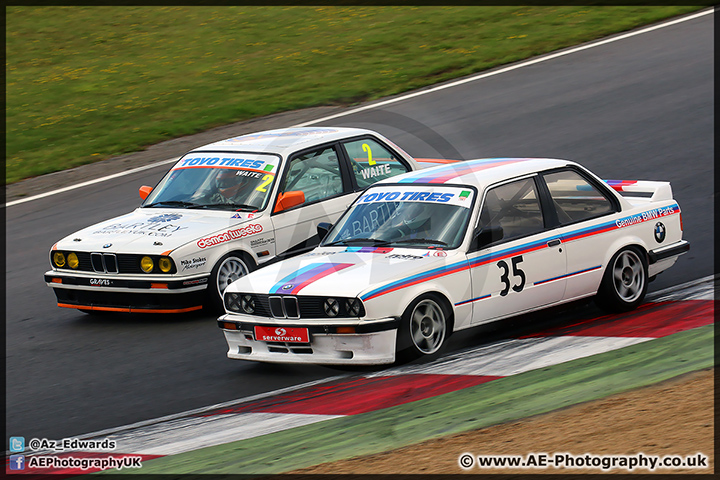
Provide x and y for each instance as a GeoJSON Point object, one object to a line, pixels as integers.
{"type": "Point", "coordinates": [221, 211]}
{"type": "Point", "coordinates": [427, 253]}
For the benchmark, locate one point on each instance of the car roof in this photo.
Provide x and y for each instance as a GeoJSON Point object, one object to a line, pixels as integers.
{"type": "Point", "coordinates": [284, 140]}
{"type": "Point", "coordinates": [479, 172]}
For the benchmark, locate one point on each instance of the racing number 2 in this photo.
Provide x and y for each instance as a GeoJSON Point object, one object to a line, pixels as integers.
{"type": "Point", "coordinates": [267, 180]}
{"type": "Point", "coordinates": [517, 272]}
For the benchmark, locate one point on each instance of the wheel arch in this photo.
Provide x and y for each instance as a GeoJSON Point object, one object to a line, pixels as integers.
{"type": "Point", "coordinates": [239, 252]}
{"type": "Point", "coordinates": [625, 242]}
{"type": "Point", "coordinates": [400, 300]}
{"type": "Point", "coordinates": [442, 298]}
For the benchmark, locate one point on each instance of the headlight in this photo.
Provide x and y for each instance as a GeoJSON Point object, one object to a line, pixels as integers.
{"type": "Point", "coordinates": [165, 264]}
{"type": "Point", "coordinates": [331, 307]}
{"type": "Point", "coordinates": [73, 261]}
{"type": "Point", "coordinates": [352, 307]}
{"type": "Point", "coordinates": [146, 264]}
{"type": "Point", "coordinates": [248, 304]}
{"type": "Point", "coordinates": [232, 302]}
{"type": "Point", "coordinates": [59, 259]}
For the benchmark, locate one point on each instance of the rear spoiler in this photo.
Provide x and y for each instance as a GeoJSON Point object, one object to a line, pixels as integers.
{"type": "Point", "coordinates": [653, 191]}
{"type": "Point", "coordinates": [433, 162]}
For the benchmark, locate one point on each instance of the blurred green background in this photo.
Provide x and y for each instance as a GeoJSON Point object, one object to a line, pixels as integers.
{"type": "Point", "coordinates": [88, 83]}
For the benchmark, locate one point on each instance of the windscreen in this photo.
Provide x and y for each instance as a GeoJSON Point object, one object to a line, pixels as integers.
{"type": "Point", "coordinates": [217, 181]}
{"type": "Point", "coordinates": [409, 216]}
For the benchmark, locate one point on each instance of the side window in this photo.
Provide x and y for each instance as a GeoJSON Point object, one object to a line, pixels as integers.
{"type": "Point", "coordinates": [574, 198]}
{"type": "Point", "coordinates": [316, 174]}
{"type": "Point", "coordinates": [513, 207]}
{"type": "Point", "coordinates": [371, 162]}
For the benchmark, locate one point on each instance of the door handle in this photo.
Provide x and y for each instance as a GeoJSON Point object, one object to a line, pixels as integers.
{"type": "Point", "coordinates": [554, 243]}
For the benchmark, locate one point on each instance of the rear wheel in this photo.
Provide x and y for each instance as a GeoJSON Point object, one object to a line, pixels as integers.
{"type": "Point", "coordinates": [424, 328]}
{"type": "Point", "coordinates": [226, 271]}
{"type": "Point", "coordinates": [625, 281]}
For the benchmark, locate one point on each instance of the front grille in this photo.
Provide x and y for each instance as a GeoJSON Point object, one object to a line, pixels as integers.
{"type": "Point", "coordinates": [85, 264]}
{"type": "Point", "coordinates": [101, 262]}
{"type": "Point", "coordinates": [276, 307]}
{"type": "Point", "coordinates": [97, 262]}
{"type": "Point", "coordinates": [289, 306]}
{"type": "Point", "coordinates": [129, 263]}
{"type": "Point", "coordinates": [111, 265]}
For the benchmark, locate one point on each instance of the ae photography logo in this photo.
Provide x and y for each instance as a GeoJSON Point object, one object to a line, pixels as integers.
{"type": "Point", "coordinates": [41, 453]}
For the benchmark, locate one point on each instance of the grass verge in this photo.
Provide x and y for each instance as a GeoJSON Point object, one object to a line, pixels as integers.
{"type": "Point", "coordinates": [88, 83]}
{"type": "Point", "coordinates": [510, 398]}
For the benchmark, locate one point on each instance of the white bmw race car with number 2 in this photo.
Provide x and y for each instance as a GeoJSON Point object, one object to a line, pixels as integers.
{"type": "Point", "coordinates": [427, 253]}
{"type": "Point", "coordinates": [221, 211]}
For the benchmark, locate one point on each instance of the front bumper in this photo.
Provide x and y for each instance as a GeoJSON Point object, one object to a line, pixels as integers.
{"type": "Point", "coordinates": [373, 342]}
{"type": "Point", "coordinates": [125, 294]}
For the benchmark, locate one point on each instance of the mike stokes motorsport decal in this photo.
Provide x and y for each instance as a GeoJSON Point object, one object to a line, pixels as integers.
{"type": "Point", "coordinates": [232, 234]}
{"type": "Point", "coordinates": [193, 263]}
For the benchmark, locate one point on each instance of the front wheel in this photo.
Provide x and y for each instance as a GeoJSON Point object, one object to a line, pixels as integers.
{"type": "Point", "coordinates": [625, 281]}
{"type": "Point", "coordinates": [226, 271]}
{"type": "Point", "coordinates": [424, 328]}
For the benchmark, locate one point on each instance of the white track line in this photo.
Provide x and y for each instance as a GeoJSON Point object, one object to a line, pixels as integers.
{"type": "Point", "coordinates": [405, 97]}
{"type": "Point", "coordinates": [90, 182]}
{"type": "Point", "coordinates": [185, 435]}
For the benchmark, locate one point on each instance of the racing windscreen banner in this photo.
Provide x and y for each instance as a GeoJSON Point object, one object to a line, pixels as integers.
{"type": "Point", "coordinates": [267, 164]}
{"type": "Point", "coordinates": [459, 196]}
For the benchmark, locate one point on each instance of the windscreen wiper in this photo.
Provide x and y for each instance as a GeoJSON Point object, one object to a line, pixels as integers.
{"type": "Point", "coordinates": [231, 206]}
{"type": "Point", "coordinates": [171, 203]}
{"type": "Point", "coordinates": [421, 240]}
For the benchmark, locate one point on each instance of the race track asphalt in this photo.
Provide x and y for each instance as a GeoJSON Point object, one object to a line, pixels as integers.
{"type": "Point", "coordinates": [637, 109]}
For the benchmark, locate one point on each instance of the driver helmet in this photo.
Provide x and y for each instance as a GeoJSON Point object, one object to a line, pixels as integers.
{"type": "Point", "coordinates": [228, 183]}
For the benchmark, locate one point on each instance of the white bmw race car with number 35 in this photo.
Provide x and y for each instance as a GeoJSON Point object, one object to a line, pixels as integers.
{"type": "Point", "coordinates": [427, 253]}
{"type": "Point", "coordinates": [221, 211]}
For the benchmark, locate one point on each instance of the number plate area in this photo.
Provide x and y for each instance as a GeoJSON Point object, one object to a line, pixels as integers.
{"type": "Point", "coordinates": [282, 334]}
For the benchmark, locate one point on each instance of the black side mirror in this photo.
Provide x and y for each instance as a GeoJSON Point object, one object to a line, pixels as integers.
{"type": "Point", "coordinates": [322, 230]}
{"type": "Point", "coordinates": [487, 236]}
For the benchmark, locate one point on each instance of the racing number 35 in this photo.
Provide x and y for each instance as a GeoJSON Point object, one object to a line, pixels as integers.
{"type": "Point", "coordinates": [517, 272]}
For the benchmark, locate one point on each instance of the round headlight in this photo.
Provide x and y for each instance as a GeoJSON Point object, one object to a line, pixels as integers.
{"type": "Point", "coordinates": [231, 301]}
{"type": "Point", "coordinates": [59, 259]}
{"type": "Point", "coordinates": [248, 304]}
{"type": "Point", "coordinates": [165, 264]}
{"type": "Point", "coordinates": [146, 264]}
{"type": "Point", "coordinates": [73, 261]}
{"type": "Point", "coordinates": [331, 307]}
{"type": "Point", "coordinates": [352, 307]}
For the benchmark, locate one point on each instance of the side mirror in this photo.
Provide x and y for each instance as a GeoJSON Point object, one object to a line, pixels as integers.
{"type": "Point", "coordinates": [145, 191]}
{"type": "Point", "coordinates": [322, 230]}
{"type": "Point", "coordinates": [487, 236]}
{"type": "Point", "coordinates": [289, 199]}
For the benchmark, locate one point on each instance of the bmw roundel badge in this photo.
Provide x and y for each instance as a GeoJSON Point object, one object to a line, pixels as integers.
{"type": "Point", "coordinates": [288, 286]}
{"type": "Point", "coordinates": [107, 245]}
{"type": "Point", "coordinates": [659, 232]}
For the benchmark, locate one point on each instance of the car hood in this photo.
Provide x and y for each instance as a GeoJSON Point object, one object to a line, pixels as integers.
{"type": "Point", "coordinates": [343, 271]}
{"type": "Point", "coordinates": [153, 230]}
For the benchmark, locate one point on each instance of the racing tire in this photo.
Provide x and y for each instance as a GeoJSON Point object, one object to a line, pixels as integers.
{"type": "Point", "coordinates": [230, 267]}
{"type": "Point", "coordinates": [625, 281]}
{"type": "Point", "coordinates": [424, 329]}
